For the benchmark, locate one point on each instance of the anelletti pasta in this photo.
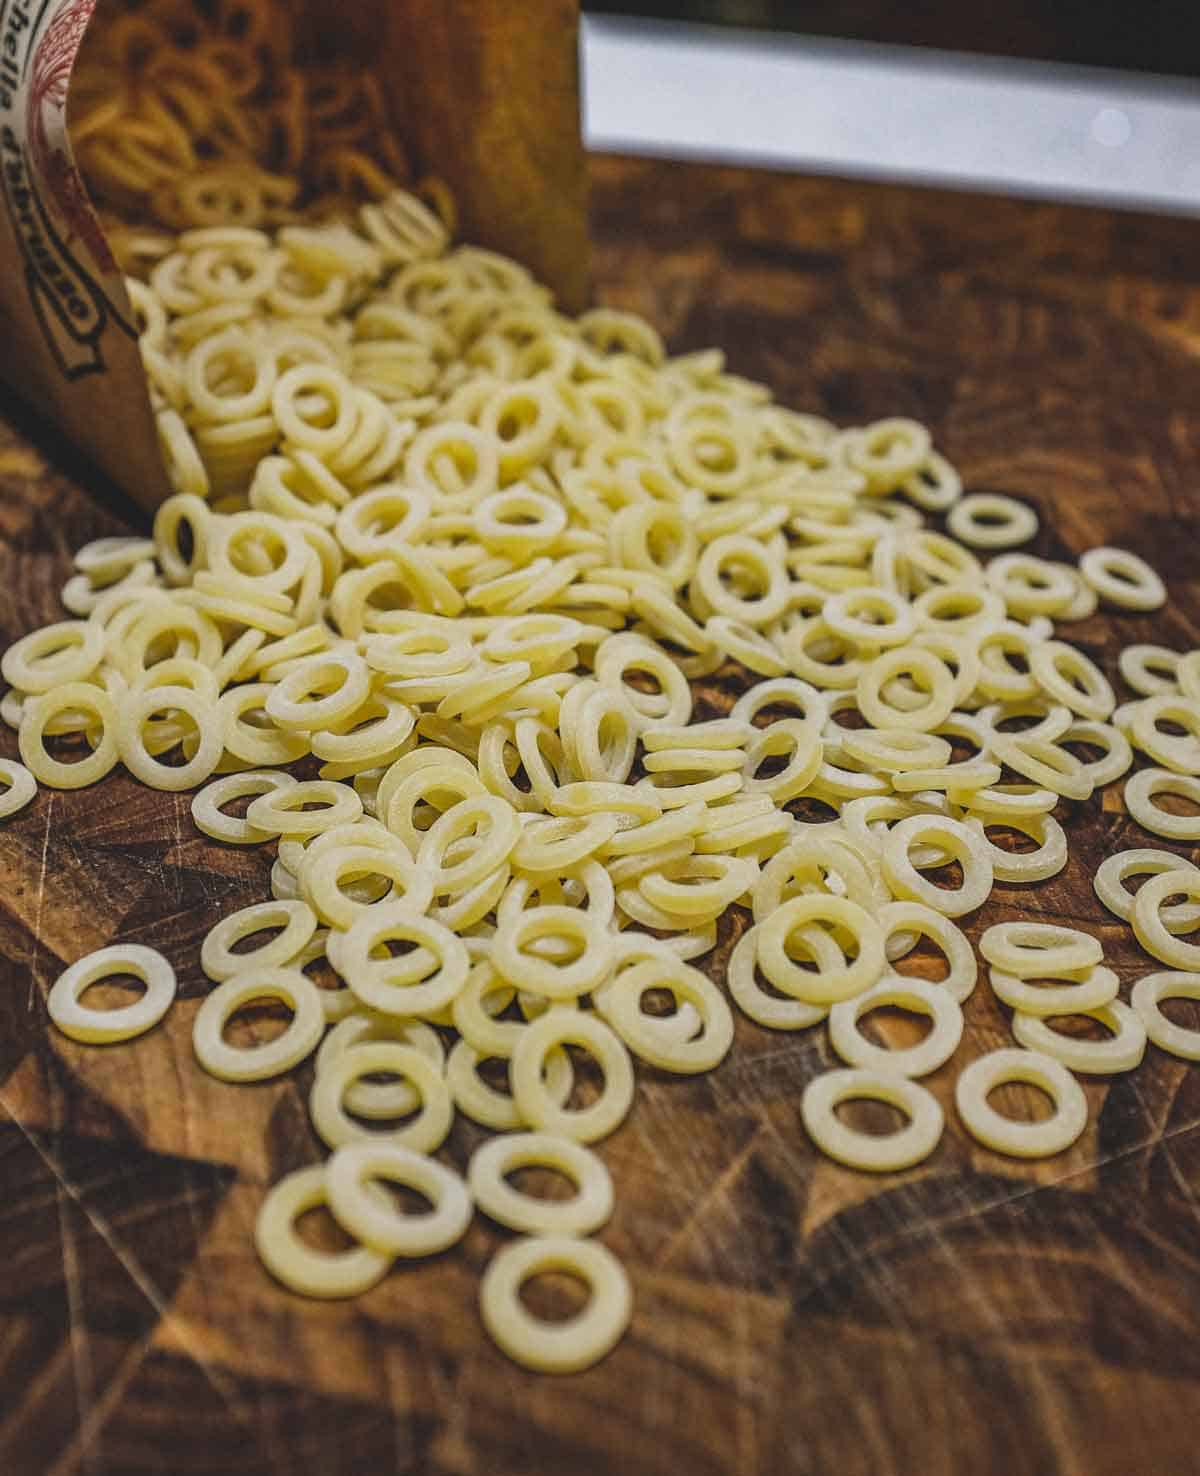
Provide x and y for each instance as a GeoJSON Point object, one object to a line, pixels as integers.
{"type": "Point", "coordinates": [466, 556]}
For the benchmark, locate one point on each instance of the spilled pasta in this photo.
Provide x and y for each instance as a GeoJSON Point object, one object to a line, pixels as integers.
{"type": "Point", "coordinates": [439, 571]}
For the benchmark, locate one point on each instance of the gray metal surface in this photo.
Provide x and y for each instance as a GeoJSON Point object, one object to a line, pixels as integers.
{"type": "Point", "coordinates": [715, 93]}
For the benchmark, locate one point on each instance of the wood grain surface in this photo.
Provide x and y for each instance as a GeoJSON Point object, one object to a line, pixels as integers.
{"type": "Point", "coordinates": [976, 1315]}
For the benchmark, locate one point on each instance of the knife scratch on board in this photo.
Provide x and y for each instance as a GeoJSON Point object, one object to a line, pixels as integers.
{"type": "Point", "coordinates": [41, 897]}
{"type": "Point", "coordinates": [224, 1386]}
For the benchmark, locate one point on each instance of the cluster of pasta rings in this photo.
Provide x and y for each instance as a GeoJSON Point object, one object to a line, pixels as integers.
{"type": "Point", "coordinates": [465, 557]}
{"type": "Point", "coordinates": [190, 115]}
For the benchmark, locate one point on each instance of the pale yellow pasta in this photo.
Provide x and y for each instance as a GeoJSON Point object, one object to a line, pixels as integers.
{"type": "Point", "coordinates": [473, 561]}
{"type": "Point", "coordinates": [20, 787]}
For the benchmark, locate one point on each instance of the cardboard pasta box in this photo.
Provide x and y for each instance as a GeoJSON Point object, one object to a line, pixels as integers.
{"type": "Point", "coordinates": [476, 97]}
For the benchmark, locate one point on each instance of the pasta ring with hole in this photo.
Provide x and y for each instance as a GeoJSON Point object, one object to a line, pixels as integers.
{"type": "Point", "coordinates": [296, 920]}
{"type": "Point", "coordinates": [212, 820]}
{"type": "Point", "coordinates": [583, 1214]}
{"type": "Point", "coordinates": [22, 787]}
{"type": "Point", "coordinates": [328, 1101]}
{"type": "Point", "coordinates": [1122, 579]}
{"type": "Point", "coordinates": [1090, 989]}
{"type": "Point", "coordinates": [1149, 927]}
{"type": "Point", "coordinates": [908, 994]}
{"type": "Point", "coordinates": [37, 719]}
{"type": "Point", "coordinates": [561, 1027]}
{"type": "Point", "coordinates": [1005, 1134]}
{"type": "Point", "coordinates": [322, 874]}
{"type": "Point", "coordinates": [872, 1152]}
{"type": "Point", "coordinates": [1114, 869]}
{"type": "Point", "coordinates": [259, 1062]}
{"type": "Point", "coordinates": [1149, 670]}
{"type": "Point", "coordinates": [421, 982]}
{"type": "Point", "coordinates": [298, 1266]}
{"type": "Point", "coordinates": [622, 1008]}
{"type": "Point", "coordinates": [963, 844]}
{"type": "Point", "coordinates": [829, 985]}
{"type": "Point", "coordinates": [915, 662]}
{"type": "Point", "coordinates": [1032, 950]}
{"type": "Point", "coordinates": [1180, 753]}
{"type": "Point", "coordinates": [554, 980]}
{"type": "Point", "coordinates": [355, 1167]}
{"type": "Point", "coordinates": [380, 1100]}
{"type": "Point", "coordinates": [555, 1347]}
{"type": "Point", "coordinates": [1069, 677]}
{"type": "Point", "coordinates": [1122, 1051]}
{"type": "Point", "coordinates": [107, 1027]}
{"type": "Point", "coordinates": [1140, 790]}
{"type": "Point", "coordinates": [1148, 994]}
{"type": "Point", "coordinates": [282, 812]}
{"type": "Point", "coordinates": [66, 651]}
{"type": "Point", "coordinates": [909, 918]}
{"type": "Point", "coordinates": [989, 520]}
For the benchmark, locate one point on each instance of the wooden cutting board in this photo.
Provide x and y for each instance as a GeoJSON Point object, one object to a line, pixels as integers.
{"type": "Point", "coordinates": [975, 1315]}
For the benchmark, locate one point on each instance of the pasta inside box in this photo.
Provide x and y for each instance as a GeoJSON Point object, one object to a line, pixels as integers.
{"type": "Point", "coordinates": [122, 125]}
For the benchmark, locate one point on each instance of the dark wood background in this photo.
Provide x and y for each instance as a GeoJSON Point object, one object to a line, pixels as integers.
{"type": "Point", "coordinates": [975, 1315]}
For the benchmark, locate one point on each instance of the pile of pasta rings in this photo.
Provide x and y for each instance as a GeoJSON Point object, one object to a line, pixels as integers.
{"type": "Point", "coordinates": [440, 572]}
{"type": "Point", "coordinates": [188, 115]}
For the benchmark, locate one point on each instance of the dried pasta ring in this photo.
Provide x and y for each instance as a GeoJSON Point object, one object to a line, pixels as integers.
{"type": "Point", "coordinates": [1147, 997]}
{"type": "Point", "coordinates": [990, 520]}
{"type": "Point", "coordinates": [879, 1154]}
{"type": "Point", "coordinates": [907, 994]}
{"type": "Point", "coordinates": [495, 1109]}
{"type": "Point", "coordinates": [959, 842]}
{"type": "Point", "coordinates": [328, 1100]}
{"type": "Point", "coordinates": [1139, 792]}
{"type": "Point", "coordinates": [258, 1062]}
{"type": "Point", "coordinates": [283, 811]}
{"type": "Point", "coordinates": [828, 985]}
{"type": "Point", "coordinates": [38, 718]}
{"type": "Point", "coordinates": [622, 1008]}
{"type": "Point", "coordinates": [495, 831]}
{"type": "Point", "coordinates": [321, 877]}
{"type": "Point", "coordinates": [1117, 753]}
{"type": "Point", "coordinates": [583, 1214]}
{"type": "Point", "coordinates": [1122, 1051]}
{"type": "Point", "coordinates": [1122, 579]}
{"type": "Point", "coordinates": [1032, 950]}
{"type": "Point", "coordinates": [214, 822]}
{"type": "Point", "coordinates": [911, 919]}
{"type": "Point", "coordinates": [1142, 862]}
{"type": "Point", "coordinates": [381, 1100]}
{"type": "Point", "coordinates": [1149, 670]}
{"type": "Point", "coordinates": [914, 662]}
{"type": "Point", "coordinates": [67, 651]}
{"type": "Point", "coordinates": [1180, 753]}
{"type": "Point", "coordinates": [512, 959]}
{"type": "Point", "coordinates": [296, 919]}
{"type": "Point", "coordinates": [357, 1206]}
{"type": "Point", "coordinates": [22, 787]}
{"type": "Point", "coordinates": [1148, 926]}
{"type": "Point", "coordinates": [421, 982]}
{"type": "Point", "coordinates": [560, 1027]}
{"type": "Point", "coordinates": [1006, 1134]}
{"type": "Point", "coordinates": [1069, 677]}
{"type": "Point", "coordinates": [555, 1347]}
{"type": "Point", "coordinates": [774, 1011]}
{"type": "Point", "coordinates": [107, 1027]}
{"type": "Point", "coordinates": [1188, 674]}
{"type": "Point", "coordinates": [299, 1267]}
{"type": "Point", "coordinates": [1090, 989]}
{"type": "Point", "coordinates": [1024, 866]}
